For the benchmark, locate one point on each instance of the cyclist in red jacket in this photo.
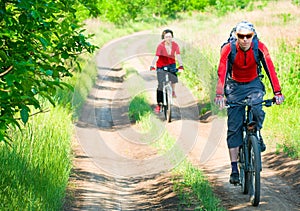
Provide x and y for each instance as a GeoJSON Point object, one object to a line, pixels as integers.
{"type": "Point", "coordinates": [242, 81]}
{"type": "Point", "coordinates": [166, 54]}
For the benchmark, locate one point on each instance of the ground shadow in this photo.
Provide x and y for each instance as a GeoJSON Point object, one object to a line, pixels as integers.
{"type": "Point", "coordinates": [152, 192]}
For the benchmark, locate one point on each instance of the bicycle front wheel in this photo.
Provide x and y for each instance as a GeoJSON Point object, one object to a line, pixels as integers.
{"type": "Point", "coordinates": [167, 108]}
{"type": "Point", "coordinates": [255, 168]}
{"type": "Point", "coordinates": [244, 173]}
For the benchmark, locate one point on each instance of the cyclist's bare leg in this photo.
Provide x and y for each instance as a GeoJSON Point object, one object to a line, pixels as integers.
{"type": "Point", "coordinates": [233, 152]}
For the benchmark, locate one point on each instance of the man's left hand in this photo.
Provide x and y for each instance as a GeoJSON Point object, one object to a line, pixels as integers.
{"type": "Point", "coordinates": [279, 98]}
{"type": "Point", "coordinates": [180, 68]}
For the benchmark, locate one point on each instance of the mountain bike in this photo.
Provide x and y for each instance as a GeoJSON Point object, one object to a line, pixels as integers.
{"type": "Point", "coordinates": [249, 153]}
{"type": "Point", "coordinates": [167, 94]}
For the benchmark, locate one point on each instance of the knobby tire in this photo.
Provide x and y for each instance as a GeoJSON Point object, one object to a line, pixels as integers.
{"type": "Point", "coordinates": [255, 168]}
{"type": "Point", "coordinates": [167, 108]}
{"type": "Point", "coordinates": [244, 173]}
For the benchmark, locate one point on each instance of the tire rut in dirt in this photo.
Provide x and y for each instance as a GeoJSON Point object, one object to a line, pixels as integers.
{"type": "Point", "coordinates": [153, 192]}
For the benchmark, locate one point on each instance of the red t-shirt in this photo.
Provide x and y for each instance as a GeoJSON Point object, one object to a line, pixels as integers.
{"type": "Point", "coordinates": [164, 58]}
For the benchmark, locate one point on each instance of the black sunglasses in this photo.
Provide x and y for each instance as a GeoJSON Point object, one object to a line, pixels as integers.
{"type": "Point", "coordinates": [242, 36]}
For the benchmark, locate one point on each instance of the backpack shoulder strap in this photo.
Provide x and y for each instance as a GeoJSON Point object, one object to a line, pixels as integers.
{"type": "Point", "coordinates": [232, 51]}
{"type": "Point", "coordinates": [255, 49]}
{"type": "Point", "coordinates": [256, 54]}
{"type": "Point", "coordinates": [231, 58]}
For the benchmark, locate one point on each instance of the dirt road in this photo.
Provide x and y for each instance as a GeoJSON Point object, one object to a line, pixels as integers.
{"type": "Point", "coordinates": [115, 168]}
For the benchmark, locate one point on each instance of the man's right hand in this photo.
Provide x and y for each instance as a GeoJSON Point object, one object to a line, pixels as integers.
{"type": "Point", "coordinates": [152, 68]}
{"type": "Point", "coordinates": [220, 101]}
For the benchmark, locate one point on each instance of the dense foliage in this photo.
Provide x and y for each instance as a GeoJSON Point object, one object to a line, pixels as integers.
{"type": "Point", "coordinates": [39, 43]}
{"type": "Point", "coordinates": [124, 11]}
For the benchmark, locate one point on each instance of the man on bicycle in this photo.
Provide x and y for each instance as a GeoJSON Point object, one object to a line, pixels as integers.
{"type": "Point", "coordinates": [240, 80]}
{"type": "Point", "coordinates": [166, 54]}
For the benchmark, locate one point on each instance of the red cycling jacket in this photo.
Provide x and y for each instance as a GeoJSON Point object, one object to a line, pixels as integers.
{"type": "Point", "coordinates": [244, 68]}
{"type": "Point", "coordinates": [164, 59]}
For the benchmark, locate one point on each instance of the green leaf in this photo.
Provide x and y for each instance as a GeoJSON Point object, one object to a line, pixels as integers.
{"type": "Point", "coordinates": [3, 56]}
{"type": "Point", "coordinates": [24, 114]}
{"type": "Point", "coordinates": [49, 72]}
{"type": "Point", "coordinates": [65, 55]}
{"type": "Point", "coordinates": [10, 79]}
{"type": "Point", "coordinates": [23, 18]}
{"type": "Point", "coordinates": [34, 91]}
{"type": "Point", "coordinates": [68, 86]}
{"type": "Point", "coordinates": [44, 42]}
{"type": "Point", "coordinates": [34, 14]}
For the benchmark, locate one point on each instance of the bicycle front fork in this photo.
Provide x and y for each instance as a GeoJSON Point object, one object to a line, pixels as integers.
{"type": "Point", "coordinates": [167, 91]}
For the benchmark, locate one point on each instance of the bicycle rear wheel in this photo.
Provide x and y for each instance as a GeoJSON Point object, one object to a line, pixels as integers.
{"type": "Point", "coordinates": [167, 108]}
{"type": "Point", "coordinates": [244, 173]}
{"type": "Point", "coordinates": [255, 168]}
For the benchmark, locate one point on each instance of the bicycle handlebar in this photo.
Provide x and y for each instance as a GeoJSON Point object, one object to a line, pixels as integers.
{"type": "Point", "coordinates": [267, 103]}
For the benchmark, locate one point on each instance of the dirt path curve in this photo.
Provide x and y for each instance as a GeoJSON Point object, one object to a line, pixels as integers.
{"type": "Point", "coordinates": [115, 166]}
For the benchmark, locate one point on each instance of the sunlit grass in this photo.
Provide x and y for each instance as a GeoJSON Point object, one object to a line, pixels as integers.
{"type": "Point", "coordinates": [194, 190]}
{"type": "Point", "coordinates": [35, 168]}
{"type": "Point", "coordinates": [283, 121]}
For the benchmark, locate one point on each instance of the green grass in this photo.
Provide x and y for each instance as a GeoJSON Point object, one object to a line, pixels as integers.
{"type": "Point", "coordinates": [193, 188]}
{"type": "Point", "coordinates": [35, 168]}
{"type": "Point", "coordinates": [138, 108]}
{"type": "Point", "coordinates": [282, 121]}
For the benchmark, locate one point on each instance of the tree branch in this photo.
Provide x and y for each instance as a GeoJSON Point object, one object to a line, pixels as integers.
{"type": "Point", "coordinates": [41, 111]}
{"type": "Point", "coordinates": [3, 90]}
{"type": "Point", "coordinates": [6, 71]}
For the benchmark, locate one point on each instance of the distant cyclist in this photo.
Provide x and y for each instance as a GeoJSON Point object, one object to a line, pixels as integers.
{"type": "Point", "coordinates": [242, 81]}
{"type": "Point", "coordinates": [166, 54]}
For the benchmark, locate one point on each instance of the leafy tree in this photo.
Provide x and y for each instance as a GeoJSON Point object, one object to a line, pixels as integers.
{"type": "Point", "coordinates": [123, 11]}
{"type": "Point", "coordinates": [40, 41]}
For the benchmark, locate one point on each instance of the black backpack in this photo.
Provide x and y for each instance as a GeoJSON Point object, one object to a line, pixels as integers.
{"type": "Point", "coordinates": [232, 40]}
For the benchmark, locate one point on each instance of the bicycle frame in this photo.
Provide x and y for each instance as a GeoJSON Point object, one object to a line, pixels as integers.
{"type": "Point", "coordinates": [249, 153]}
{"type": "Point", "coordinates": [167, 93]}
{"type": "Point", "coordinates": [167, 88]}
{"type": "Point", "coordinates": [249, 129]}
